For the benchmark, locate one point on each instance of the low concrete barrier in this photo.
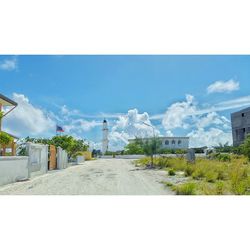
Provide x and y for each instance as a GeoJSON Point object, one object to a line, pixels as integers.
{"type": "Point", "coordinates": [13, 168]}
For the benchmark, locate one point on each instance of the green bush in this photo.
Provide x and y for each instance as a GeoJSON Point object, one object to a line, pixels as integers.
{"type": "Point", "coordinates": [162, 162]}
{"type": "Point", "coordinates": [185, 189]}
{"type": "Point", "coordinates": [5, 139]}
{"type": "Point", "coordinates": [198, 173]}
{"type": "Point", "coordinates": [220, 187]}
{"type": "Point", "coordinates": [168, 184]}
{"type": "Point", "coordinates": [211, 176]}
{"type": "Point", "coordinates": [221, 157]}
{"type": "Point", "coordinates": [189, 170]}
{"type": "Point", "coordinates": [171, 172]}
{"type": "Point", "coordinates": [238, 180]}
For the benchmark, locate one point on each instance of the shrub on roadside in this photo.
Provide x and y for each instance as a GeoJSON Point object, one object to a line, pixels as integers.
{"type": "Point", "coordinates": [185, 189]}
{"type": "Point", "coordinates": [189, 170]}
{"type": "Point", "coordinates": [211, 176]}
{"type": "Point", "coordinates": [239, 180]}
{"type": "Point", "coordinates": [171, 172]}
{"type": "Point", "coordinates": [198, 173]}
{"type": "Point", "coordinates": [220, 187]}
{"type": "Point", "coordinates": [168, 184]}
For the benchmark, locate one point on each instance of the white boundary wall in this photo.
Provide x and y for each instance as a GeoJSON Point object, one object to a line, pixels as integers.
{"type": "Point", "coordinates": [13, 168]}
{"type": "Point", "coordinates": [38, 158]}
{"type": "Point", "coordinates": [62, 158]}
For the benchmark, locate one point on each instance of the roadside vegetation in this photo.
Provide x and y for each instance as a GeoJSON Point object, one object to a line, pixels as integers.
{"type": "Point", "coordinates": [217, 174]}
{"type": "Point", "coordinates": [73, 146]}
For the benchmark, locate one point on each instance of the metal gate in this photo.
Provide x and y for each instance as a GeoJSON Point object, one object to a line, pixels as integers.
{"type": "Point", "coordinates": [52, 157]}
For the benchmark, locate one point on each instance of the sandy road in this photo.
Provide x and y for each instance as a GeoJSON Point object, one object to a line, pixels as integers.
{"type": "Point", "coordinates": [99, 177]}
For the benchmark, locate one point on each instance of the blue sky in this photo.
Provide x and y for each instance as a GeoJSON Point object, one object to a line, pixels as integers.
{"type": "Point", "coordinates": [78, 91]}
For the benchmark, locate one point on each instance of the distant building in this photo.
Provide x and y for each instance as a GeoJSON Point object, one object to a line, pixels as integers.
{"type": "Point", "coordinates": [105, 141]}
{"type": "Point", "coordinates": [240, 125]}
{"type": "Point", "coordinates": [172, 142]}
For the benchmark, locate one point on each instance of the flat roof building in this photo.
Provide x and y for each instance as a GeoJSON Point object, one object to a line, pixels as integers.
{"type": "Point", "coordinates": [240, 125]}
{"type": "Point", "coordinates": [173, 142]}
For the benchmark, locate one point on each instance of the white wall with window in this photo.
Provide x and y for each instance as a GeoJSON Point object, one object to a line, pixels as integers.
{"type": "Point", "coordinates": [175, 142]}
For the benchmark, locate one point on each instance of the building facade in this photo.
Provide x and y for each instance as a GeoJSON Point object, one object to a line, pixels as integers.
{"type": "Point", "coordinates": [105, 141]}
{"type": "Point", "coordinates": [240, 125]}
{"type": "Point", "coordinates": [172, 142]}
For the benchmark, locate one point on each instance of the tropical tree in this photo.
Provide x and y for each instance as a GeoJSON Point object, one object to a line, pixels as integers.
{"type": "Point", "coordinates": [5, 139]}
{"type": "Point", "coordinates": [72, 145]}
{"type": "Point", "coordinates": [134, 148]}
{"type": "Point", "coordinates": [150, 147]}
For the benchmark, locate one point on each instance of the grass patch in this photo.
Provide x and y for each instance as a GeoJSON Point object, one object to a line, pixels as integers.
{"type": "Point", "coordinates": [220, 174]}
{"type": "Point", "coordinates": [171, 172]}
{"type": "Point", "coordinates": [185, 189]}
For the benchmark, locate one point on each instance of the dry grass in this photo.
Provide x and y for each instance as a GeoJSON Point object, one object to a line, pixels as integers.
{"type": "Point", "coordinates": [224, 175]}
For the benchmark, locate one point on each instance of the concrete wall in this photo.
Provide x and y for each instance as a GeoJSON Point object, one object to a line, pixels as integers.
{"type": "Point", "coordinates": [240, 126]}
{"type": "Point", "coordinates": [62, 158]}
{"type": "Point", "coordinates": [38, 158]}
{"type": "Point", "coordinates": [13, 168]}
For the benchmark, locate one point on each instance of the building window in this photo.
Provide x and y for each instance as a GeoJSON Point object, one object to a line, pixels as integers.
{"type": "Point", "coordinates": [173, 142]}
{"type": "Point", "coordinates": [166, 142]}
{"type": "Point", "coordinates": [179, 142]}
{"type": "Point", "coordinates": [243, 114]}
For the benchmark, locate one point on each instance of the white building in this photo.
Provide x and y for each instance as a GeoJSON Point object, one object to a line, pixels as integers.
{"type": "Point", "coordinates": [105, 141]}
{"type": "Point", "coordinates": [172, 142]}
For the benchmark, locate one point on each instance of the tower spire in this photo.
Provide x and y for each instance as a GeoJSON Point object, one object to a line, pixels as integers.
{"type": "Point", "coordinates": [105, 136]}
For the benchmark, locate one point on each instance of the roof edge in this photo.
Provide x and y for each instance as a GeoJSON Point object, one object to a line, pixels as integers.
{"type": "Point", "coordinates": [5, 98]}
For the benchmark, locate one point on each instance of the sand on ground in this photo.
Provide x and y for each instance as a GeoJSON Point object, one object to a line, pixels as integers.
{"type": "Point", "coordinates": [97, 177]}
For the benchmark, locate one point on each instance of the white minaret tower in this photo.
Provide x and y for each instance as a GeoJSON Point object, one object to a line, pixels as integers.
{"type": "Point", "coordinates": [105, 141]}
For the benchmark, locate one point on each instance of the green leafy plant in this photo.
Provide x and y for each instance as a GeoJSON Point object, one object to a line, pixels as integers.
{"type": "Point", "coordinates": [150, 147]}
{"type": "Point", "coordinates": [185, 189]}
{"type": "Point", "coordinates": [133, 148]}
{"type": "Point", "coordinates": [171, 172]}
{"type": "Point", "coordinates": [220, 187]}
{"type": "Point", "coordinates": [5, 139]}
{"type": "Point", "coordinates": [1, 114]}
{"type": "Point", "coordinates": [72, 145]}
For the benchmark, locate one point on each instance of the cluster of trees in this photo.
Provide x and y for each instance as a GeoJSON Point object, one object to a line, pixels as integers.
{"type": "Point", "coordinates": [152, 146]}
{"type": "Point", "coordinates": [72, 145]}
{"type": "Point", "coordinates": [138, 147]}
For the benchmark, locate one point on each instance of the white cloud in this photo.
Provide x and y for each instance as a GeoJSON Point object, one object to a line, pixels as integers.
{"type": "Point", "coordinates": [80, 126]}
{"type": "Point", "coordinates": [130, 126]}
{"type": "Point", "coordinates": [9, 64]}
{"type": "Point", "coordinates": [212, 119]}
{"type": "Point", "coordinates": [223, 87]}
{"type": "Point", "coordinates": [27, 119]}
{"type": "Point", "coordinates": [240, 102]}
{"type": "Point", "coordinates": [211, 137]}
{"type": "Point", "coordinates": [208, 128]}
{"type": "Point", "coordinates": [169, 133]}
{"type": "Point", "coordinates": [177, 114]}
